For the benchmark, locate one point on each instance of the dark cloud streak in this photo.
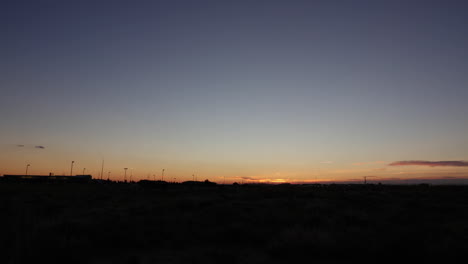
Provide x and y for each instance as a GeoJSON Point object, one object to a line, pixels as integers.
{"type": "Point", "coordinates": [29, 146]}
{"type": "Point", "coordinates": [451, 163]}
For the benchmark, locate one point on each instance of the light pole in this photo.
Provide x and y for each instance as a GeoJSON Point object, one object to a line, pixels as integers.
{"type": "Point", "coordinates": [108, 175]}
{"type": "Point", "coordinates": [27, 166]}
{"type": "Point", "coordinates": [71, 168]}
{"type": "Point", "coordinates": [162, 175]}
{"type": "Point", "coordinates": [83, 171]}
{"type": "Point", "coordinates": [125, 177]}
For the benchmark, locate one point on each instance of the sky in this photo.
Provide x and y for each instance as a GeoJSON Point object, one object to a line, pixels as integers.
{"type": "Point", "coordinates": [254, 91]}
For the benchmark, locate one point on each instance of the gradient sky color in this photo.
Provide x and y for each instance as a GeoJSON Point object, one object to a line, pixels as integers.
{"type": "Point", "coordinates": [270, 90]}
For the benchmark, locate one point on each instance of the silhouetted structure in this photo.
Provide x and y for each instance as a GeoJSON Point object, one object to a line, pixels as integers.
{"type": "Point", "coordinates": [50, 178]}
{"type": "Point", "coordinates": [199, 183]}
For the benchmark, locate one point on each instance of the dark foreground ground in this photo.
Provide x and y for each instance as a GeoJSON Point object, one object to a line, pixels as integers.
{"type": "Point", "coordinates": [134, 223]}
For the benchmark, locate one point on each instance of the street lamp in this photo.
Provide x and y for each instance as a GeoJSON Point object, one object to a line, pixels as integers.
{"type": "Point", "coordinates": [162, 175]}
{"type": "Point", "coordinates": [108, 175]}
{"type": "Point", "coordinates": [27, 166]}
{"type": "Point", "coordinates": [83, 171]}
{"type": "Point", "coordinates": [71, 168]}
{"type": "Point", "coordinates": [125, 177]}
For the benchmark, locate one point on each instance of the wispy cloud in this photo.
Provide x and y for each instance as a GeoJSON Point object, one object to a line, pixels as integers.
{"type": "Point", "coordinates": [28, 146]}
{"type": "Point", "coordinates": [451, 163]}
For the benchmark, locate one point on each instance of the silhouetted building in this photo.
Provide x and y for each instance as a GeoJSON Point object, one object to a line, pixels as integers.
{"type": "Point", "coordinates": [50, 178]}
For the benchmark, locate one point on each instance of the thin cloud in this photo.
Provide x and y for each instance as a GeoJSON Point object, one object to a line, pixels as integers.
{"type": "Point", "coordinates": [450, 163]}
{"type": "Point", "coordinates": [29, 146]}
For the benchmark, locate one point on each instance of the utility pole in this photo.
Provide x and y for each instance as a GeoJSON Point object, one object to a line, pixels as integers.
{"type": "Point", "coordinates": [84, 171]}
{"type": "Point", "coordinates": [162, 175]}
{"type": "Point", "coordinates": [125, 176]}
{"type": "Point", "coordinates": [102, 168]}
{"type": "Point", "coordinates": [71, 168]}
{"type": "Point", "coordinates": [27, 166]}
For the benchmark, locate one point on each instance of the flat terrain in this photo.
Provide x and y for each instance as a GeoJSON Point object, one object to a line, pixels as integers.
{"type": "Point", "coordinates": [148, 223]}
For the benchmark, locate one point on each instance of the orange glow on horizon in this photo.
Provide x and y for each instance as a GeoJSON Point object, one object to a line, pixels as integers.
{"type": "Point", "coordinates": [14, 160]}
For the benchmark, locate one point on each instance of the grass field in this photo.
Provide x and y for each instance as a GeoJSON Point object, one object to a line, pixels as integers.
{"type": "Point", "coordinates": [144, 223]}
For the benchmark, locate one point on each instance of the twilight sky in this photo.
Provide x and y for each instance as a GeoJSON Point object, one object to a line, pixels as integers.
{"type": "Point", "coordinates": [264, 90]}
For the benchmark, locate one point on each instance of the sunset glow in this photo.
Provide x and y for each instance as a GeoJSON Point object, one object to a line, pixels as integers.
{"type": "Point", "coordinates": [276, 92]}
